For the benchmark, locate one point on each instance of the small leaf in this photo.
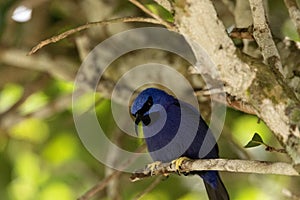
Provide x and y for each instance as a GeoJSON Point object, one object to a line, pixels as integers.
{"type": "Point", "coordinates": [255, 141]}
{"type": "Point", "coordinates": [161, 11]}
{"type": "Point", "coordinates": [257, 138]}
{"type": "Point", "coordinates": [9, 95]}
{"type": "Point", "coordinates": [252, 144]}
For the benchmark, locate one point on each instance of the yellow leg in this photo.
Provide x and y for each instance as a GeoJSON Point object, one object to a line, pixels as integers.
{"type": "Point", "coordinates": [153, 166]}
{"type": "Point", "coordinates": [178, 162]}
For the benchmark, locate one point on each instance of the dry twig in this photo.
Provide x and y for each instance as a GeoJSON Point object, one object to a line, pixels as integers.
{"type": "Point", "coordinates": [102, 184]}
{"type": "Point", "coordinates": [148, 189]}
{"type": "Point", "coordinates": [240, 166]}
{"type": "Point", "coordinates": [89, 25]}
{"type": "Point", "coordinates": [99, 186]}
{"type": "Point", "coordinates": [242, 33]}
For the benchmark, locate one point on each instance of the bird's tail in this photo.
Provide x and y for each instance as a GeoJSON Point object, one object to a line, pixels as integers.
{"type": "Point", "coordinates": [218, 192]}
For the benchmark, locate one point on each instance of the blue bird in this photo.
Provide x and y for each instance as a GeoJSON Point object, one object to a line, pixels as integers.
{"type": "Point", "coordinates": [174, 129]}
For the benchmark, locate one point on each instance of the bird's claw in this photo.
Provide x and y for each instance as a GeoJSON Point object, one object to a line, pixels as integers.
{"type": "Point", "coordinates": [178, 162]}
{"type": "Point", "coordinates": [153, 167]}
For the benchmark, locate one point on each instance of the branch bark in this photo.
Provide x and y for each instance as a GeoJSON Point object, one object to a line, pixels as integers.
{"type": "Point", "coordinates": [245, 78]}
{"type": "Point", "coordinates": [240, 166]}
{"type": "Point", "coordinates": [263, 36]}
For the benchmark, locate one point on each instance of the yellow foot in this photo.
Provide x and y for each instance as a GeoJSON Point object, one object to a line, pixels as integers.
{"type": "Point", "coordinates": [153, 167]}
{"type": "Point", "coordinates": [178, 162]}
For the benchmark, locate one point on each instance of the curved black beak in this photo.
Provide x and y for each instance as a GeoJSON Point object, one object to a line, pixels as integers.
{"type": "Point", "coordinates": [141, 118]}
{"type": "Point", "coordinates": [138, 118]}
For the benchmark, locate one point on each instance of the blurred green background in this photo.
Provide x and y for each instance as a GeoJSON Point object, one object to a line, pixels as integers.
{"type": "Point", "coordinates": [41, 156]}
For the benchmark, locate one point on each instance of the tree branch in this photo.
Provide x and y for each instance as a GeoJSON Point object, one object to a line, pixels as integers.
{"type": "Point", "coordinates": [263, 35]}
{"type": "Point", "coordinates": [103, 183]}
{"type": "Point", "coordinates": [99, 186]}
{"type": "Point", "coordinates": [148, 189]}
{"type": "Point", "coordinates": [240, 166]}
{"type": "Point", "coordinates": [245, 78]}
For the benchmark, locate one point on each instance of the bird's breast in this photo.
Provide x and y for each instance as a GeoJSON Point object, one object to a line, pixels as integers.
{"type": "Point", "coordinates": [164, 139]}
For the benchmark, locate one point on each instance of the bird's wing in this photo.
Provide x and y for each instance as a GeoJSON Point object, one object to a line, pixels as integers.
{"type": "Point", "coordinates": [196, 134]}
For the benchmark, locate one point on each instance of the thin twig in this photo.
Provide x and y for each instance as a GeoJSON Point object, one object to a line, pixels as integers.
{"type": "Point", "coordinates": [273, 149]}
{"type": "Point", "coordinates": [240, 166]}
{"type": "Point", "coordinates": [99, 186]}
{"type": "Point", "coordinates": [147, 11]}
{"type": "Point", "coordinates": [229, 100]}
{"type": "Point", "coordinates": [103, 183]}
{"type": "Point", "coordinates": [149, 188]}
{"type": "Point", "coordinates": [89, 25]}
{"type": "Point", "coordinates": [242, 33]}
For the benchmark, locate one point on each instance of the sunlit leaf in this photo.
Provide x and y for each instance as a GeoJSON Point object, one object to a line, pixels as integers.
{"type": "Point", "coordinates": [20, 189]}
{"type": "Point", "coordinates": [59, 87]}
{"type": "Point", "coordinates": [57, 191]}
{"type": "Point", "coordinates": [3, 141]}
{"type": "Point", "coordinates": [192, 196]}
{"type": "Point", "coordinates": [255, 141]}
{"type": "Point", "coordinates": [31, 129]}
{"type": "Point", "coordinates": [27, 167]}
{"type": "Point", "coordinates": [85, 102]}
{"type": "Point", "coordinates": [252, 144]}
{"type": "Point", "coordinates": [257, 138]}
{"type": "Point", "coordinates": [244, 127]}
{"type": "Point", "coordinates": [9, 95]}
{"type": "Point", "coordinates": [33, 103]}
{"type": "Point", "coordinates": [27, 176]}
{"type": "Point", "coordinates": [155, 195]}
{"type": "Point", "coordinates": [61, 149]}
{"type": "Point", "coordinates": [252, 193]}
{"type": "Point", "coordinates": [290, 31]}
{"type": "Point", "coordinates": [161, 11]}
{"type": "Point", "coordinates": [64, 86]}
{"type": "Point", "coordinates": [105, 117]}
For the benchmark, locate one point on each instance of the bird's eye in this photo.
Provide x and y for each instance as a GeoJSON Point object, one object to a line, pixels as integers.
{"type": "Point", "coordinates": [146, 107]}
{"type": "Point", "coordinates": [150, 101]}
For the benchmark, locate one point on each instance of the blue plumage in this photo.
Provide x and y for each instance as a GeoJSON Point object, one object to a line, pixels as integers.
{"type": "Point", "coordinates": [173, 129]}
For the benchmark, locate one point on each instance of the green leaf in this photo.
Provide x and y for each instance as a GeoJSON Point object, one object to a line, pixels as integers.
{"type": "Point", "coordinates": [9, 95]}
{"type": "Point", "coordinates": [161, 11]}
{"type": "Point", "coordinates": [290, 31]}
{"type": "Point", "coordinates": [255, 141]}
{"type": "Point", "coordinates": [33, 103]}
{"type": "Point", "coordinates": [31, 129]}
{"type": "Point", "coordinates": [57, 190]}
{"type": "Point", "coordinates": [252, 144]}
{"type": "Point", "coordinates": [257, 138]}
{"type": "Point", "coordinates": [61, 149]}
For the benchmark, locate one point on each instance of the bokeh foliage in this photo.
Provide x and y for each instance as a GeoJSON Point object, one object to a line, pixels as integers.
{"type": "Point", "coordinates": [41, 155]}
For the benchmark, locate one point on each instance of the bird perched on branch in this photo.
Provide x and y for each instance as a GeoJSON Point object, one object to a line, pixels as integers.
{"type": "Point", "coordinates": [174, 129]}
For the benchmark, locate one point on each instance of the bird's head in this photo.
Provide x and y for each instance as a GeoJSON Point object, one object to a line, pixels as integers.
{"type": "Point", "coordinates": [149, 101]}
